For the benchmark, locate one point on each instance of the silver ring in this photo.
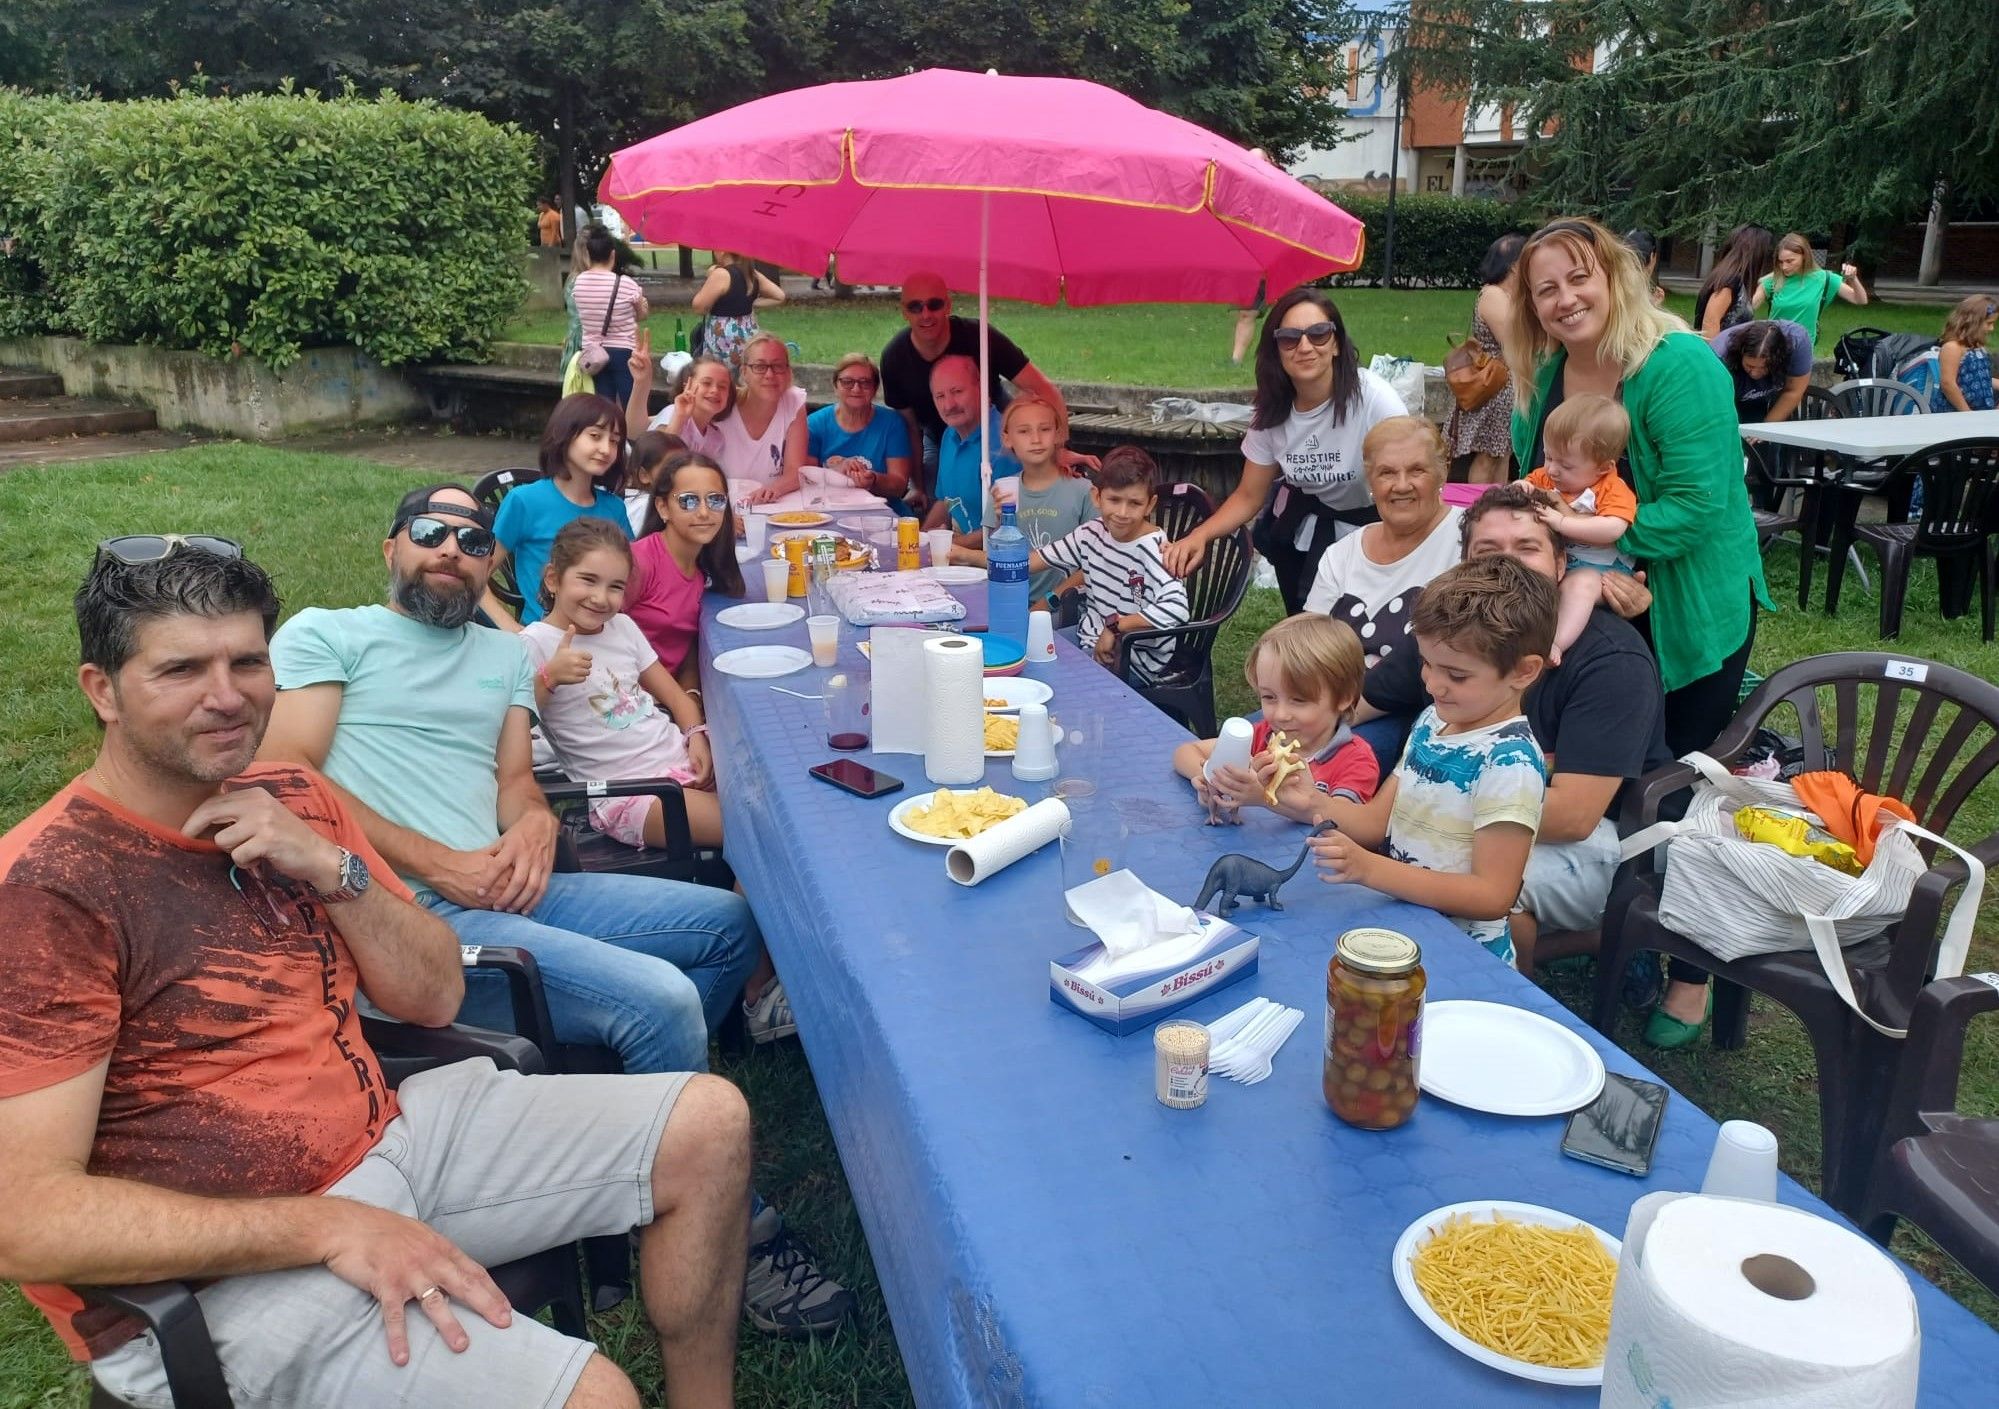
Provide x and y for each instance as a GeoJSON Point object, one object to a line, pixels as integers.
{"type": "Point", "coordinates": [428, 1292]}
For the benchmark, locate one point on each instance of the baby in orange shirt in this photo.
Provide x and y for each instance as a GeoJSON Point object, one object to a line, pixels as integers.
{"type": "Point", "coordinates": [1581, 442]}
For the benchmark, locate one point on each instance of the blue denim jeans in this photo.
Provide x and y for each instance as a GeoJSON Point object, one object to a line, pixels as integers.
{"type": "Point", "coordinates": [645, 967]}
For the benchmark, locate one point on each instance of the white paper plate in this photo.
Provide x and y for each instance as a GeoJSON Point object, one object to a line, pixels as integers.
{"type": "Point", "coordinates": [921, 799]}
{"type": "Point", "coordinates": [760, 616]}
{"type": "Point", "coordinates": [1506, 1060]}
{"type": "Point", "coordinates": [762, 662]}
{"type": "Point", "coordinates": [1016, 690]}
{"type": "Point", "coordinates": [956, 576]}
{"type": "Point", "coordinates": [787, 520]}
{"type": "Point", "coordinates": [1404, 1257]}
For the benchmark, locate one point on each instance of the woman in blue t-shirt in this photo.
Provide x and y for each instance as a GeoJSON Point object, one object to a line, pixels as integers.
{"type": "Point", "coordinates": [583, 472]}
{"type": "Point", "coordinates": [856, 438]}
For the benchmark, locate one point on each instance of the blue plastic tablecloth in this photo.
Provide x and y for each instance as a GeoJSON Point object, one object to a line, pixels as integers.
{"type": "Point", "coordinates": [1047, 1233]}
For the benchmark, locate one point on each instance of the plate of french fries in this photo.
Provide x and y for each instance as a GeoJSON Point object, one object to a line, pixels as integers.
{"type": "Point", "coordinates": [1003, 734]}
{"type": "Point", "coordinates": [951, 815]}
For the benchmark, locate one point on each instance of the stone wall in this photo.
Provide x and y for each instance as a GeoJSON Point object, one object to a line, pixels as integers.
{"type": "Point", "coordinates": [326, 389]}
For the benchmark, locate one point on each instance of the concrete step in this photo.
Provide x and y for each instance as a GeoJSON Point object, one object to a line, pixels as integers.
{"type": "Point", "coordinates": [45, 417]}
{"type": "Point", "coordinates": [24, 383]}
{"type": "Point", "coordinates": [71, 449]}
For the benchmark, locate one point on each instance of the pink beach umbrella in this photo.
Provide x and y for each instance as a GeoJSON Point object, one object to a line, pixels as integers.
{"type": "Point", "coordinates": [1029, 188]}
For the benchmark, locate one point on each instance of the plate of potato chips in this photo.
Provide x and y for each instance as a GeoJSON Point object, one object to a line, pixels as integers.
{"type": "Point", "coordinates": [950, 815]}
{"type": "Point", "coordinates": [1003, 734]}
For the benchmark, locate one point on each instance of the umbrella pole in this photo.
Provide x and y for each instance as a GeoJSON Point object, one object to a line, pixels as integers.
{"type": "Point", "coordinates": [985, 381]}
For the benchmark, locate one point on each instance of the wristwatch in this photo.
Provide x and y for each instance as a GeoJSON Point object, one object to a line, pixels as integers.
{"type": "Point", "coordinates": [354, 879]}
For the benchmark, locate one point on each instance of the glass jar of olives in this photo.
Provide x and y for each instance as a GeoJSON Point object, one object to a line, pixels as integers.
{"type": "Point", "coordinates": [1374, 1021]}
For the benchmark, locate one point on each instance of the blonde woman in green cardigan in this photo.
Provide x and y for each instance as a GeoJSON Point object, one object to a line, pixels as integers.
{"type": "Point", "coordinates": [1584, 323]}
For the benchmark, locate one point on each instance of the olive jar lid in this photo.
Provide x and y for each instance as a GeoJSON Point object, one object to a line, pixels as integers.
{"type": "Point", "coordinates": [1377, 951]}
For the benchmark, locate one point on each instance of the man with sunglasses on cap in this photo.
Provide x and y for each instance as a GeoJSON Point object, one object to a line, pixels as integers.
{"type": "Point", "coordinates": [421, 717]}
{"type": "Point", "coordinates": [933, 334]}
{"type": "Point", "coordinates": [184, 1078]}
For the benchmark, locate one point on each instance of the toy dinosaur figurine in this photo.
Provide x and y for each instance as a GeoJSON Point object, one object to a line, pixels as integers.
{"type": "Point", "coordinates": [1236, 877]}
{"type": "Point", "coordinates": [1284, 749]}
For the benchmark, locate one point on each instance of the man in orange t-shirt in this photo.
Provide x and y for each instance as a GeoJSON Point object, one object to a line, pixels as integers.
{"type": "Point", "coordinates": [549, 223]}
{"type": "Point", "coordinates": [183, 1073]}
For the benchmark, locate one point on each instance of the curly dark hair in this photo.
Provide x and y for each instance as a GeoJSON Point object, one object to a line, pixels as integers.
{"type": "Point", "coordinates": [1519, 496]}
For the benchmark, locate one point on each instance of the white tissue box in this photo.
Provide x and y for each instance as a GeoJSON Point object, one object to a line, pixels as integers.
{"type": "Point", "coordinates": [1139, 1000]}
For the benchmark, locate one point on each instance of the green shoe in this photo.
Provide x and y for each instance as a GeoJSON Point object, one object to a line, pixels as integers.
{"type": "Point", "coordinates": [1668, 1033]}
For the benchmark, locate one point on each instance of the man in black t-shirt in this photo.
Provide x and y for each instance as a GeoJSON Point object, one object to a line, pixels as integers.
{"type": "Point", "coordinates": [1598, 717]}
{"type": "Point", "coordinates": [933, 333]}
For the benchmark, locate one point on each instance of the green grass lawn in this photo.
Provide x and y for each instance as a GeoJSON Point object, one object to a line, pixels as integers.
{"type": "Point", "coordinates": [1165, 344]}
{"type": "Point", "coordinates": [314, 521]}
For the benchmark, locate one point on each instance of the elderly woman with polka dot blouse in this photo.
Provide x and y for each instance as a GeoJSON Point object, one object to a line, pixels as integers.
{"type": "Point", "coordinates": [1371, 579]}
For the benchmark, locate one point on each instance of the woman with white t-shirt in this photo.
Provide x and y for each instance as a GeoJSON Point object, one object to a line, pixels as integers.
{"type": "Point", "coordinates": [1314, 405]}
{"type": "Point", "coordinates": [760, 436]}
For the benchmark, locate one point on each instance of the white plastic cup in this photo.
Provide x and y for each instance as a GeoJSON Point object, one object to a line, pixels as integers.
{"type": "Point", "coordinates": [1034, 746]}
{"type": "Point", "coordinates": [1040, 636]}
{"type": "Point", "coordinates": [756, 531]}
{"type": "Point", "coordinates": [1744, 1163]}
{"type": "Point", "coordinates": [939, 542]}
{"type": "Point", "coordinates": [825, 634]}
{"type": "Point", "coordinates": [777, 580]}
{"type": "Point", "coordinates": [1231, 747]}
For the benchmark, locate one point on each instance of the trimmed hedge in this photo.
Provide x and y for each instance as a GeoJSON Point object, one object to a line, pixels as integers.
{"type": "Point", "coordinates": [26, 126]}
{"type": "Point", "coordinates": [1439, 240]}
{"type": "Point", "coordinates": [261, 226]}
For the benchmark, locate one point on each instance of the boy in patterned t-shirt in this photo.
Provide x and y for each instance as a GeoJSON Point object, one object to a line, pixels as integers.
{"type": "Point", "coordinates": [1457, 817]}
{"type": "Point", "coordinates": [1122, 559]}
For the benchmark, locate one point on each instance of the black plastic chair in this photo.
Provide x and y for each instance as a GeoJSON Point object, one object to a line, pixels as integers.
{"type": "Point", "coordinates": [1960, 514]}
{"type": "Point", "coordinates": [1185, 689]}
{"type": "Point", "coordinates": [171, 1311]}
{"type": "Point", "coordinates": [1939, 1169]}
{"type": "Point", "coordinates": [581, 847]}
{"type": "Point", "coordinates": [1803, 475]}
{"type": "Point", "coordinates": [489, 491]}
{"type": "Point", "coordinates": [1948, 746]}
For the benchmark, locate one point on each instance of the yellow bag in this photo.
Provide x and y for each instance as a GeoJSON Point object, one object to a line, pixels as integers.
{"type": "Point", "coordinates": [1797, 836]}
{"type": "Point", "coordinates": [575, 380]}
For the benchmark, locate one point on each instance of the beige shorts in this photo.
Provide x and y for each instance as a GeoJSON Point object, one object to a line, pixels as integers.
{"type": "Point", "coordinates": [503, 1165]}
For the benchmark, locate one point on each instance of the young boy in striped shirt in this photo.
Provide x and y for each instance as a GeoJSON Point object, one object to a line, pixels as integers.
{"type": "Point", "coordinates": [1122, 561]}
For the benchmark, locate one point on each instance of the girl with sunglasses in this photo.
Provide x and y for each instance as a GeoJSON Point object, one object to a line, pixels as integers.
{"type": "Point", "coordinates": [583, 474]}
{"type": "Point", "coordinates": [687, 544]}
{"type": "Point", "coordinates": [1314, 406]}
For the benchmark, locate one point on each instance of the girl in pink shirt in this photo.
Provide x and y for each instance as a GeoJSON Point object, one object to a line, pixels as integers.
{"type": "Point", "coordinates": [688, 543]}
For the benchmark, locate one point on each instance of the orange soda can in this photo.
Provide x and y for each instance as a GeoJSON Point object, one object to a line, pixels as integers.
{"type": "Point", "coordinates": [794, 553]}
{"type": "Point", "coordinates": [908, 545]}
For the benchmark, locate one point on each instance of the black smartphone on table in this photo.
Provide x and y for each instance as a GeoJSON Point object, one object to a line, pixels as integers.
{"type": "Point", "coordinates": [1619, 1128]}
{"type": "Point", "coordinates": [856, 778]}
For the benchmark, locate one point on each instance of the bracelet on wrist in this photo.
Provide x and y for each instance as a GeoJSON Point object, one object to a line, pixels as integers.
{"type": "Point", "coordinates": [541, 678]}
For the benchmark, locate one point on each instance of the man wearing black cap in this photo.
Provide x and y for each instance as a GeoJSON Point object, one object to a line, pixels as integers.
{"type": "Point", "coordinates": [422, 717]}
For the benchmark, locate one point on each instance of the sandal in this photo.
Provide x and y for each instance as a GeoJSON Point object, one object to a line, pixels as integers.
{"type": "Point", "coordinates": [1668, 1033]}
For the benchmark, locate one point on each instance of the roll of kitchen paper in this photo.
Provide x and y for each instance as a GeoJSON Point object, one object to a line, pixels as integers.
{"type": "Point", "coordinates": [997, 848]}
{"type": "Point", "coordinates": [954, 710]}
{"type": "Point", "coordinates": [1733, 1301]}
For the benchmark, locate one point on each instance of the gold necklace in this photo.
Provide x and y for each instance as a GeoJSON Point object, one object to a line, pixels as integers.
{"type": "Point", "coordinates": [104, 786]}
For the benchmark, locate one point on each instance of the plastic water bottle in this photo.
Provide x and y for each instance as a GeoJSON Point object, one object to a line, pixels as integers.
{"type": "Point", "coordinates": [1006, 578]}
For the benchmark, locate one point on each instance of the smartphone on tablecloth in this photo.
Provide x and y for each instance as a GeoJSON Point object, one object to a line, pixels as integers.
{"type": "Point", "coordinates": [1619, 1128]}
{"type": "Point", "coordinates": [856, 778]}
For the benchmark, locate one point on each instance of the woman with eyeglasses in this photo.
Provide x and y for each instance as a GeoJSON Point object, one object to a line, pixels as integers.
{"type": "Point", "coordinates": [1584, 324]}
{"type": "Point", "coordinates": [1314, 406]}
{"type": "Point", "coordinates": [1964, 365]}
{"type": "Point", "coordinates": [729, 298]}
{"type": "Point", "coordinates": [857, 440]}
{"type": "Point", "coordinates": [762, 438]}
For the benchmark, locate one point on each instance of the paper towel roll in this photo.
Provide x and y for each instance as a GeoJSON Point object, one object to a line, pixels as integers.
{"type": "Point", "coordinates": [1732, 1301]}
{"type": "Point", "coordinates": [954, 711]}
{"type": "Point", "coordinates": [997, 848]}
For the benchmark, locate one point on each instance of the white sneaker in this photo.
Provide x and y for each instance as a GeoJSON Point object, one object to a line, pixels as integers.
{"type": "Point", "coordinates": [769, 1017]}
